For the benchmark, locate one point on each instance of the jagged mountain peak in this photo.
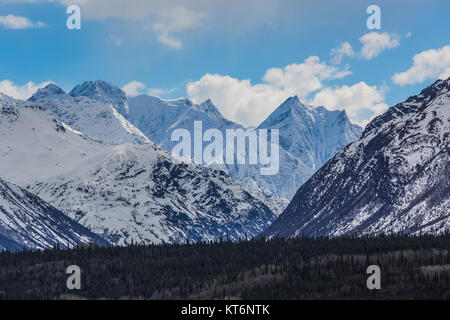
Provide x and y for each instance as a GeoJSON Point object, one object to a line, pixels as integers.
{"type": "Point", "coordinates": [207, 107]}
{"type": "Point", "coordinates": [295, 105]}
{"type": "Point", "coordinates": [440, 88]}
{"type": "Point", "coordinates": [292, 100]}
{"type": "Point", "coordinates": [301, 122]}
{"type": "Point", "coordinates": [49, 91]}
{"type": "Point", "coordinates": [292, 109]}
{"type": "Point", "coordinates": [104, 92]}
{"type": "Point", "coordinates": [291, 103]}
{"type": "Point", "coordinates": [88, 88]}
{"type": "Point", "coordinates": [91, 110]}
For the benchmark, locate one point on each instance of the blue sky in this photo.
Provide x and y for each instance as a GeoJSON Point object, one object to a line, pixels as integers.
{"type": "Point", "coordinates": [247, 56]}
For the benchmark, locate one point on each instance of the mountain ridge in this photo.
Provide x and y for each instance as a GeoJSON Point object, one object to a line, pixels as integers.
{"type": "Point", "coordinates": [26, 221]}
{"type": "Point", "coordinates": [125, 193]}
{"type": "Point", "coordinates": [393, 180]}
{"type": "Point", "coordinates": [97, 118]}
{"type": "Point", "coordinates": [297, 165]}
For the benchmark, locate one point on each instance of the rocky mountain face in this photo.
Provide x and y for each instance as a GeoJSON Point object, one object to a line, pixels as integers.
{"type": "Point", "coordinates": [126, 192]}
{"type": "Point", "coordinates": [308, 137]}
{"type": "Point", "coordinates": [26, 221]}
{"type": "Point", "coordinates": [395, 179]}
{"type": "Point", "coordinates": [48, 92]}
{"type": "Point", "coordinates": [104, 92]}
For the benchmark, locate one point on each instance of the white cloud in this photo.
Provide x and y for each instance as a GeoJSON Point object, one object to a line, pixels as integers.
{"type": "Point", "coordinates": [15, 22]}
{"type": "Point", "coordinates": [135, 88]}
{"type": "Point", "coordinates": [427, 64]}
{"type": "Point", "coordinates": [303, 78]}
{"type": "Point", "coordinates": [20, 92]}
{"type": "Point", "coordinates": [249, 104]}
{"type": "Point", "coordinates": [361, 101]}
{"type": "Point", "coordinates": [237, 100]}
{"type": "Point", "coordinates": [338, 53]}
{"type": "Point", "coordinates": [168, 19]}
{"type": "Point", "coordinates": [445, 74]}
{"type": "Point", "coordinates": [228, 18]}
{"type": "Point", "coordinates": [374, 43]}
{"type": "Point", "coordinates": [165, 38]}
{"type": "Point", "coordinates": [175, 20]}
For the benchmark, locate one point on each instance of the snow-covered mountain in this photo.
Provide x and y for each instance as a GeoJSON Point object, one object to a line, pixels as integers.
{"type": "Point", "coordinates": [48, 92]}
{"type": "Point", "coordinates": [311, 134]}
{"type": "Point", "coordinates": [26, 221]}
{"type": "Point", "coordinates": [97, 119]}
{"type": "Point", "coordinates": [123, 192]}
{"type": "Point", "coordinates": [6, 100]}
{"type": "Point", "coordinates": [104, 92]}
{"type": "Point", "coordinates": [157, 118]}
{"type": "Point", "coordinates": [396, 178]}
{"type": "Point", "coordinates": [308, 136]}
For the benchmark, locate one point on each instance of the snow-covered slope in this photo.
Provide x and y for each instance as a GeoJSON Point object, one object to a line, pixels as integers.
{"type": "Point", "coordinates": [308, 136]}
{"type": "Point", "coordinates": [26, 221]}
{"type": "Point", "coordinates": [396, 178]}
{"type": "Point", "coordinates": [155, 116]}
{"type": "Point", "coordinates": [94, 118]}
{"type": "Point", "coordinates": [124, 192]}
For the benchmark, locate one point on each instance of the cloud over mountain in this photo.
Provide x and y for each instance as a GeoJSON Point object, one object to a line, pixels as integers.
{"type": "Point", "coordinates": [238, 99]}
{"type": "Point", "coordinates": [426, 64]}
{"type": "Point", "coordinates": [20, 92]}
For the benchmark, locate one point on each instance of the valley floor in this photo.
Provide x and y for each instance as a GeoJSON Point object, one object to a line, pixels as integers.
{"type": "Point", "coordinates": [411, 268]}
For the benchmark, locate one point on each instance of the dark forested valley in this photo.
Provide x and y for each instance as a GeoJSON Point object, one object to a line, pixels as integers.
{"type": "Point", "coordinates": [303, 268]}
